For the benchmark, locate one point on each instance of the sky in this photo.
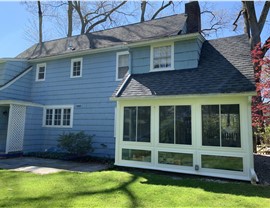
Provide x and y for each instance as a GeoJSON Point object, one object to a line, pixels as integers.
{"type": "Point", "coordinates": [14, 19]}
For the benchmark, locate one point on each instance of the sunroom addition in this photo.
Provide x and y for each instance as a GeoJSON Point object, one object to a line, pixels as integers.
{"type": "Point", "coordinates": [204, 136]}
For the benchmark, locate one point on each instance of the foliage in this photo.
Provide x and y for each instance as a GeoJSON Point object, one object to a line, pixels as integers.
{"type": "Point", "coordinates": [122, 189]}
{"type": "Point", "coordinates": [78, 144]}
{"type": "Point", "coordinates": [260, 102]}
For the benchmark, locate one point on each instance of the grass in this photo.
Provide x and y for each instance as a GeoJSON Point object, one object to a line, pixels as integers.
{"type": "Point", "coordinates": [124, 189]}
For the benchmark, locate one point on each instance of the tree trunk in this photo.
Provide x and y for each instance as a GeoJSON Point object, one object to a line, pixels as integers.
{"type": "Point", "coordinates": [70, 18]}
{"type": "Point", "coordinates": [40, 22]}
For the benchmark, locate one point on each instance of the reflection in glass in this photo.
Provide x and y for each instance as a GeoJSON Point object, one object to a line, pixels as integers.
{"type": "Point", "coordinates": [210, 125]}
{"type": "Point", "coordinates": [129, 124]}
{"type": "Point", "coordinates": [166, 124]}
{"type": "Point", "coordinates": [136, 155]}
{"type": "Point", "coordinates": [171, 158]}
{"type": "Point", "coordinates": [183, 125]}
{"type": "Point", "coordinates": [222, 162]}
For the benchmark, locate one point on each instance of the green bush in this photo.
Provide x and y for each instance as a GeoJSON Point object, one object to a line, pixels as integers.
{"type": "Point", "coordinates": [78, 144]}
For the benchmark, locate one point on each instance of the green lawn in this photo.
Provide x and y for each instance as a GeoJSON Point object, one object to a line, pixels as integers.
{"type": "Point", "coordinates": [122, 189]}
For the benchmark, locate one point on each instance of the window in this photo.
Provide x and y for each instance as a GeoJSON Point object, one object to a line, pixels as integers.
{"type": "Point", "coordinates": [162, 58]}
{"type": "Point", "coordinates": [175, 124]}
{"type": "Point", "coordinates": [137, 124]}
{"type": "Point", "coordinates": [41, 72]}
{"type": "Point", "coordinates": [76, 68]}
{"type": "Point", "coordinates": [221, 125]}
{"type": "Point", "coordinates": [58, 116]}
{"type": "Point", "coordinates": [122, 64]}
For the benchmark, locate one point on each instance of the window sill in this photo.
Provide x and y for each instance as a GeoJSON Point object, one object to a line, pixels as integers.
{"type": "Point", "coordinates": [161, 69]}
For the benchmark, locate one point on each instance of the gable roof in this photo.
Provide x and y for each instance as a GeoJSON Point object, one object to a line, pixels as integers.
{"type": "Point", "coordinates": [158, 28]}
{"type": "Point", "coordinates": [224, 67]}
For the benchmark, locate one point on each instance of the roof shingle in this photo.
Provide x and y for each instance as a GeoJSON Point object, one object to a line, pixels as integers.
{"type": "Point", "coordinates": [224, 67]}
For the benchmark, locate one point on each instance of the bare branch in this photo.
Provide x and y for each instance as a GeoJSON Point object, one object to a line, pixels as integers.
{"type": "Point", "coordinates": [235, 22]}
{"type": "Point", "coordinates": [264, 15]}
{"type": "Point", "coordinates": [143, 8]}
{"type": "Point", "coordinates": [161, 8]}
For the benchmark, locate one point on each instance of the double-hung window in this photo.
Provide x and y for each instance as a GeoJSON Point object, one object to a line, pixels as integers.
{"type": "Point", "coordinates": [122, 64]}
{"type": "Point", "coordinates": [58, 116]}
{"type": "Point", "coordinates": [162, 57]}
{"type": "Point", "coordinates": [41, 72]}
{"type": "Point", "coordinates": [76, 67]}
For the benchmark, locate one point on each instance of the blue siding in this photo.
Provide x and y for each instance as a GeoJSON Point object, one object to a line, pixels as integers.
{"type": "Point", "coordinates": [140, 60]}
{"type": "Point", "coordinates": [33, 135]}
{"type": "Point", "coordinates": [2, 70]}
{"type": "Point", "coordinates": [93, 111]}
{"type": "Point", "coordinates": [19, 90]}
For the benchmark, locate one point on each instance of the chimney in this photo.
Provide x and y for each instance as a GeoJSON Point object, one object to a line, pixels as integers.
{"type": "Point", "coordinates": [193, 12]}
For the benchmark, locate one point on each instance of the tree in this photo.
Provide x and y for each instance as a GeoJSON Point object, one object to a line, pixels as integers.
{"type": "Point", "coordinates": [40, 19]}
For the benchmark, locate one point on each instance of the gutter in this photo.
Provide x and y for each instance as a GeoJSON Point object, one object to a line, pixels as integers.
{"type": "Point", "coordinates": [123, 46]}
{"type": "Point", "coordinates": [3, 60]}
{"type": "Point", "coordinates": [151, 97]}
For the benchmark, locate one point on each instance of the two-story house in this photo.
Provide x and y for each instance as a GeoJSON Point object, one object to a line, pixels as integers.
{"type": "Point", "coordinates": [156, 95]}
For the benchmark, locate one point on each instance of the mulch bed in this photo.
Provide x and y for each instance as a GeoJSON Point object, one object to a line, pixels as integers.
{"type": "Point", "coordinates": [262, 168]}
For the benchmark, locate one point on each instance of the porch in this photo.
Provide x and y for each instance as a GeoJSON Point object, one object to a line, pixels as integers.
{"type": "Point", "coordinates": [12, 125]}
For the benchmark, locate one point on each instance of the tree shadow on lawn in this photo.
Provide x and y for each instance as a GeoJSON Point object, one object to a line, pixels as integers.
{"type": "Point", "coordinates": [214, 185]}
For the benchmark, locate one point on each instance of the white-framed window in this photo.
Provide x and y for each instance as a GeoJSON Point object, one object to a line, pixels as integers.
{"type": "Point", "coordinates": [76, 67]}
{"type": "Point", "coordinates": [58, 116]}
{"type": "Point", "coordinates": [41, 72]}
{"type": "Point", "coordinates": [122, 64]}
{"type": "Point", "coordinates": [162, 57]}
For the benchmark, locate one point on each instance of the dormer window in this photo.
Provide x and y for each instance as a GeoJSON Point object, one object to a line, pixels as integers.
{"type": "Point", "coordinates": [76, 68]}
{"type": "Point", "coordinates": [41, 72]}
{"type": "Point", "coordinates": [162, 57]}
{"type": "Point", "coordinates": [122, 64]}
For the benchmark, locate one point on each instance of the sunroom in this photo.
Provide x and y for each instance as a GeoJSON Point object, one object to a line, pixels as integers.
{"type": "Point", "coordinates": [200, 135]}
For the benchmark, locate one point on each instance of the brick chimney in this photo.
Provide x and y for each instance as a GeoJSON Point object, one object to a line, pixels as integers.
{"type": "Point", "coordinates": [193, 12]}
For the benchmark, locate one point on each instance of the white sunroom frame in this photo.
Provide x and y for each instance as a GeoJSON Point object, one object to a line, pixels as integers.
{"type": "Point", "coordinates": [197, 149]}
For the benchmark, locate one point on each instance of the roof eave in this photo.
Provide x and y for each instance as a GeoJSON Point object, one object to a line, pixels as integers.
{"type": "Point", "coordinates": [121, 47]}
{"type": "Point", "coordinates": [151, 97]}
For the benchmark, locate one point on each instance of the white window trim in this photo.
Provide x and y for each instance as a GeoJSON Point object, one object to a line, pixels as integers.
{"type": "Point", "coordinates": [37, 72]}
{"type": "Point", "coordinates": [71, 67]}
{"type": "Point", "coordinates": [117, 60]}
{"type": "Point", "coordinates": [152, 57]}
{"type": "Point", "coordinates": [71, 107]}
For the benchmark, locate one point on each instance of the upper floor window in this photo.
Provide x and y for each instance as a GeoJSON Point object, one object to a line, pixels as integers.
{"type": "Point", "coordinates": [122, 64]}
{"type": "Point", "coordinates": [41, 72]}
{"type": "Point", "coordinates": [76, 67]}
{"type": "Point", "coordinates": [162, 57]}
{"type": "Point", "coordinates": [58, 116]}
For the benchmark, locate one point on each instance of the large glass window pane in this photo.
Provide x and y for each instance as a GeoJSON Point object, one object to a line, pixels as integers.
{"type": "Point", "coordinates": [183, 124]}
{"type": "Point", "coordinates": [166, 124]}
{"type": "Point", "coordinates": [230, 126]}
{"type": "Point", "coordinates": [57, 117]}
{"type": "Point", "coordinates": [143, 124]}
{"type": "Point", "coordinates": [129, 124]}
{"type": "Point", "coordinates": [136, 155]}
{"type": "Point", "coordinates": [123, 65]}
{"type": "Point", "coordinates": [222, 162]}
{"type": "Point", "coordinates": [210, 125]}
{"type": "Point", "coordinates": [171, 158]}
{"type": "Point", "coordinates": [66, 116]}
{"type": "Point", "coordinates": [162, 57]}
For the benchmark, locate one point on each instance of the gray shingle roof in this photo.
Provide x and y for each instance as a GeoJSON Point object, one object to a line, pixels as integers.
{"type": "Point", "coordinates": [158, 28]}
{"type": "Point", "coordinates": [224, 67]}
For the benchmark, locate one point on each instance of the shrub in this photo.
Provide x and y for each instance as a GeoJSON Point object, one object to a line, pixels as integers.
{"type": "Point", "coordinates": [78, 144]}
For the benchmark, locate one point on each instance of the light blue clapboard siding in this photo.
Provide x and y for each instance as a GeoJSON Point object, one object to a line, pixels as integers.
{"type": "Point", "coordinates": [140, 60]}
{"type": "Point", "coordinates": [19, 90]}
{"type": "Point", "coordinates": [33, 136]}
{"type": "Point", "coordinates": [2, 69]}
{"type": "Point", "coordinates": [93, 111]}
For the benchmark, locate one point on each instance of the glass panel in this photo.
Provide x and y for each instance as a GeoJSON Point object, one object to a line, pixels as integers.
{"type": "Point", "coordinates": [183, 124]}
{"type": "Point", "coordinates": [57, 117]}
{"type": "Point", "coordinates": [136, 155]}
{"type": "Point", "coordinates": [162, 57]}
{"type": "Point", "coordinates": [76, 68]}
{"type": "Point", "coordinates": [122, 72]}
{"type": "Point", "coordinates": [222, 162]}
{"type": "Point", "coordinates": [230, 126]}
{"type": "Point", "coordinates": [175, 158]}
{"type": "Point", "coordinates": [143, 124]}
{"type": "Point", "coordinates": [210, 125]}
{"type": "Point", "coordinates": [166, 124]}
{"type": "Point", "coordinates": [49, 116]}
{"type": "Point", "coordinates": [41, 72]}
{"type": "Point", "coordinates": [123, 60]}
{"type": "Point", "coordinates": [129, 124]}
{"type": "Point", "coordinates": [66, 117]}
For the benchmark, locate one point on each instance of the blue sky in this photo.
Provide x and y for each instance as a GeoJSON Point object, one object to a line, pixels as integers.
{"type": "Point", "coordinates": [14, 19]}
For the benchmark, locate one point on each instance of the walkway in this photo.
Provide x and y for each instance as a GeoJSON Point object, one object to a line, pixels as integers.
{"type": "Point", "coordinates": [47, 166]}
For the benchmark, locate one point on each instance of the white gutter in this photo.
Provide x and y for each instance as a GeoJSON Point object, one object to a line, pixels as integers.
{"type": "Point", "coordinates": [122, 85]}
{"type": "Point", "coordinates": [123, 46]}
{"type": "Point", "coordinates": [151, 97]}
{"type": "Point", "coordinates": [18, 102]}
{"type": "Point", "coordinates": [14, 80]}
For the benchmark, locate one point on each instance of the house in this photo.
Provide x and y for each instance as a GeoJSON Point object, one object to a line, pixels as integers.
{"type": "Point", "coordinates": [156, 95]}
